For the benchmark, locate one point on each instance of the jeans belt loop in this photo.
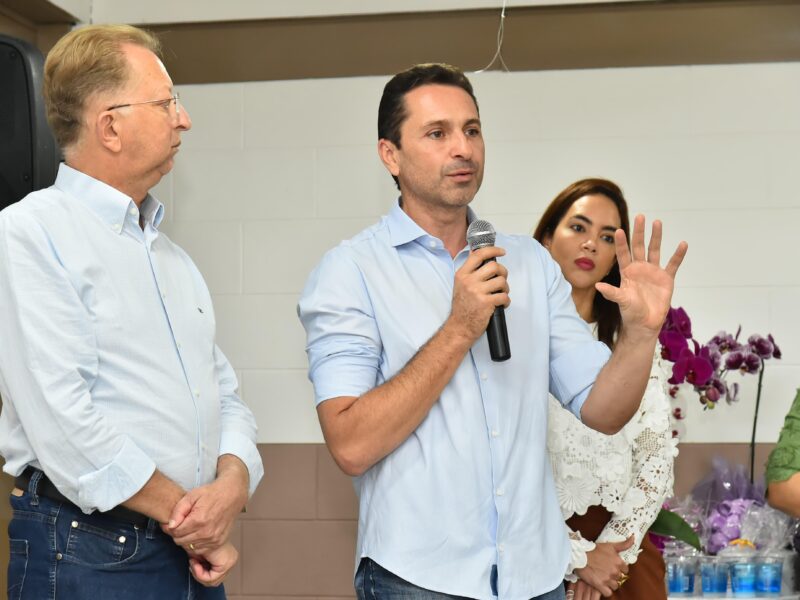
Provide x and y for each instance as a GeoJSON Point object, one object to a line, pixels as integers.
{"type": "Point", "coordinates": [33, 487]}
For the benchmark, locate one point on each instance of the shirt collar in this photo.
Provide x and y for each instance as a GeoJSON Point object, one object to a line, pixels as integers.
{"type": "Point", "coordinates": [152, 210]}
{"type": "Point", "coordinates": [108, 203]}
{"type": "Point", "coordinates": [403, 229]}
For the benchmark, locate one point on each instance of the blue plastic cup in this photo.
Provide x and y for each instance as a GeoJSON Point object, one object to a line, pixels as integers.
{"type": "Point", "coordinates": [743, 578]}
{"type": "Point", "coordinates": [769, 569]}
{"type": "Point", "coordinates": [680, 575]}
{"type": "Point", "coordinates": [714, 576]}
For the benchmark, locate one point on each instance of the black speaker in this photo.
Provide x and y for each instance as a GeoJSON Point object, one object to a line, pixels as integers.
{"type": "Point", "coordinates": [28, 153]}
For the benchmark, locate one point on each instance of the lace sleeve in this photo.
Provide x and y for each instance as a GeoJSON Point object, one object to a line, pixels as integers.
{"type": "Point", "coordinates": [652, 468]}
{"type": "Point", "coordinates": [579, 548]}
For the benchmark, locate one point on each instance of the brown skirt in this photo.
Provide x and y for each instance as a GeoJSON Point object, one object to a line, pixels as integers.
{"type": "Point", "coordinates": [646, 574]}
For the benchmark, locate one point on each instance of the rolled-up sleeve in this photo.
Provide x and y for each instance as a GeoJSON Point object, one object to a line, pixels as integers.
{"type": "Point", "coordinates": [343, 342]}
{"type": "Point", "coordinates": [576, 358]}
{"type": "Point", "coordinates": [49, 360]}
{"type": "Point", "coordinates": [238, 430]}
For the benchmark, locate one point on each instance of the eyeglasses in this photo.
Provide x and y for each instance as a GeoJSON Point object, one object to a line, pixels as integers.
{"type": "Point", "coordinates": [165, 102]}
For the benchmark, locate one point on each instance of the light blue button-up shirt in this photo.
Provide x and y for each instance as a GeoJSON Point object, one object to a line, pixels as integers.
{"type": "Point", "coordinates": [108, 367]}
{"type": "Point", "coordinates": [471, 487]}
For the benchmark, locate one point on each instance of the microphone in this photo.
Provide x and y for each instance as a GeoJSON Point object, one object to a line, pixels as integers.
{"type": "Point", "coordinates": [479, 235]}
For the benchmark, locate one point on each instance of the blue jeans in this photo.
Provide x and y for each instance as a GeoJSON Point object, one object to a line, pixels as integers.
{"type": "Point", "coordinates": [373, 582]}
{"type": "Point", "coordinates": [60, 553]}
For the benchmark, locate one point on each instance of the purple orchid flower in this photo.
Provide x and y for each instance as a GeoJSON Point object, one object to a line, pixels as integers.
{"type": "Point", "coordinates": [725, 342]}
{"type": "Point", "coordinates": [678, 320]}
{"type": "Point", "coordinates": [743, 360]}
{"type": "Point", "coordinates": [776, 352]}
{"type": "Point", "coordinates": [672, 344]}
{"type": "Point", "coordinates": [752, 363]}
{"type": "Point", "coordinates": [734, 360]}
{"type": "Point", "coordinates": [716, 389]}
{"type": "Point", "coordinates": [761, 346]}
{"type": "Point", "coordinates": [714, 355]}
{"type": "Point", "coordinates": [696, 370]}
{"type": "Point", "coordinates": [709, 396]}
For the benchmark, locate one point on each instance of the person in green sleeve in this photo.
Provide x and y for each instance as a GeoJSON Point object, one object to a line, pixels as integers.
{"type": "Point", "coordinates": [783, 465]}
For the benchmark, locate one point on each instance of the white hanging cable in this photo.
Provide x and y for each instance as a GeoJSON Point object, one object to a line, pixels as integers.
{"type": "Point", "coordinates": [499, 53]}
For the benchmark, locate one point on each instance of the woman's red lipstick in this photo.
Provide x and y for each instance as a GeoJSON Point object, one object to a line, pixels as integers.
{"type": "Point", "coordinates": [586, 264]}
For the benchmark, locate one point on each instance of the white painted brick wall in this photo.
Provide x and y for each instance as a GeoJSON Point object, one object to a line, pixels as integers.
{"type": "Point", "coordinates": [275, 173]}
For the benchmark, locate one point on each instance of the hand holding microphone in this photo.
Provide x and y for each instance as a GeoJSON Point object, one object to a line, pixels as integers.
{"type": "Point", "coordinates": [481, 291]}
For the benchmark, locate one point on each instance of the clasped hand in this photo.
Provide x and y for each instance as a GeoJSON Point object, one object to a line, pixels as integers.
{"type": "Point", "coordinates": [603, 571]}
{"type": "Point", "coordinates": [201, 523]}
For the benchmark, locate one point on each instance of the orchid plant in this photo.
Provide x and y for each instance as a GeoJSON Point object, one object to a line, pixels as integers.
{"type": "Point", "coordinates": [706, 367]}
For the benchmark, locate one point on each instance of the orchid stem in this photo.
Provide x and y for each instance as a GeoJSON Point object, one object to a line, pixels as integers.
{"type": "Point", "coordinates": [755, 421]}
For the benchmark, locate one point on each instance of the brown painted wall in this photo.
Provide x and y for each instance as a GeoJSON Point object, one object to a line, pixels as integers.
{"type": "Point", "coordinates": [297, 538]}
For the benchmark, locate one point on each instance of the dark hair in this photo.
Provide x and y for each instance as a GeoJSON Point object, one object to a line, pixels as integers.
{"type": "Point", "coordinates": [605, 312]}
{"type": "Point", "coordinates": [392, 109]}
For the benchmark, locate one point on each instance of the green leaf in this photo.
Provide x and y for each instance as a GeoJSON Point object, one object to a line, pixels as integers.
{"type": "Point", "coordinates": [672, 525]}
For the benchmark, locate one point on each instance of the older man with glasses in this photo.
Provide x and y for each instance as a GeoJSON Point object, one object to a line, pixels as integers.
{"type": "Point", "coordinates": [131, 450]}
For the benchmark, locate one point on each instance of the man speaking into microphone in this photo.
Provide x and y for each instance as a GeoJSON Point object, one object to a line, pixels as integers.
{"type": "Point", "coordinates": [447, 446]}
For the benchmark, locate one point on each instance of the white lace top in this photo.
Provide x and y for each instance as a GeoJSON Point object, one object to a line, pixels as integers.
{"type": "Point", "coordinates": [629, 473]}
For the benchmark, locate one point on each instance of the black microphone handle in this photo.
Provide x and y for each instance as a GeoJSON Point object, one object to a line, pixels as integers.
{"type": "Point", "coordinates": [497, 332]}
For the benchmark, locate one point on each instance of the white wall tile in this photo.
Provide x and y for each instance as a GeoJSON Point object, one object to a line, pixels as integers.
{"type": "Point", "coordinates": [216, 249]}
{"type": "Point", "coordinates": [609, 102]}
{"type": "Point", "coordinates": [351, 181]}
{"type": "Point", "coordinates": [261, 331]}
{"type": "Point", "coordinates": [783, 160]}
{"type": "Point", "coordinates": [736, 98]}
{"type": "Point", "coordinates": [514, 178]}
{"type": "Point", "coordinates": [780, 387]}
{"type": "Point", "coordinates": [784, 323]}
{"type": "Point", "coordinates": [217, 113]}
{"type": "Point", "coordinates": [283, 404]}
{"type": "Point", "coordinates": [655, 174]}
{"type": "Point", "coordinates": [279, 255]}
{"type": "Point", "coordinates": [509, 105]}
{"type": "Point", "coordinates": [725, 309]}
{"type": "Point", "coordinates": [316, 112]}
{"type": "Point", "coordinates": [712, 151]}
{"type": "Point", "coordinates": [734, 423]}
{"type": "Point", "coordinates": [735, 247]}
{"type": "Point", "coordinates": [226, 185]}
{"type": "Point", "coordinates": [583, 103]}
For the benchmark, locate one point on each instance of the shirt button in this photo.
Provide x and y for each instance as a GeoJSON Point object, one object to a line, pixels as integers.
{"type": "Point", "coordinates": [59, 556]}
{"type": "Point", "coordinates": [117, 227]}
{"type": "Point", "coordinates": [432, 244]}
{"type": "Point", "coordinates": [132, 211]}
{"type": "Point", "coordinates": [197, 393]}
{"type": "Point", "coordinates": [178, 344]}
{"type": "Point", "coordinates": [495, 433]}
{"type": "Point", "coordinates": [163, 295]}
{"type": "Point", "coordinates": [500, 548]}
{"type": "Point", "coordinates": [500, 491]}
{"type": "Point", "coordinates": [484, 376]}
{"type": "Point", "coordinates": [74, 524]}
{"type": "Point", "coordinates": [122, 539]}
